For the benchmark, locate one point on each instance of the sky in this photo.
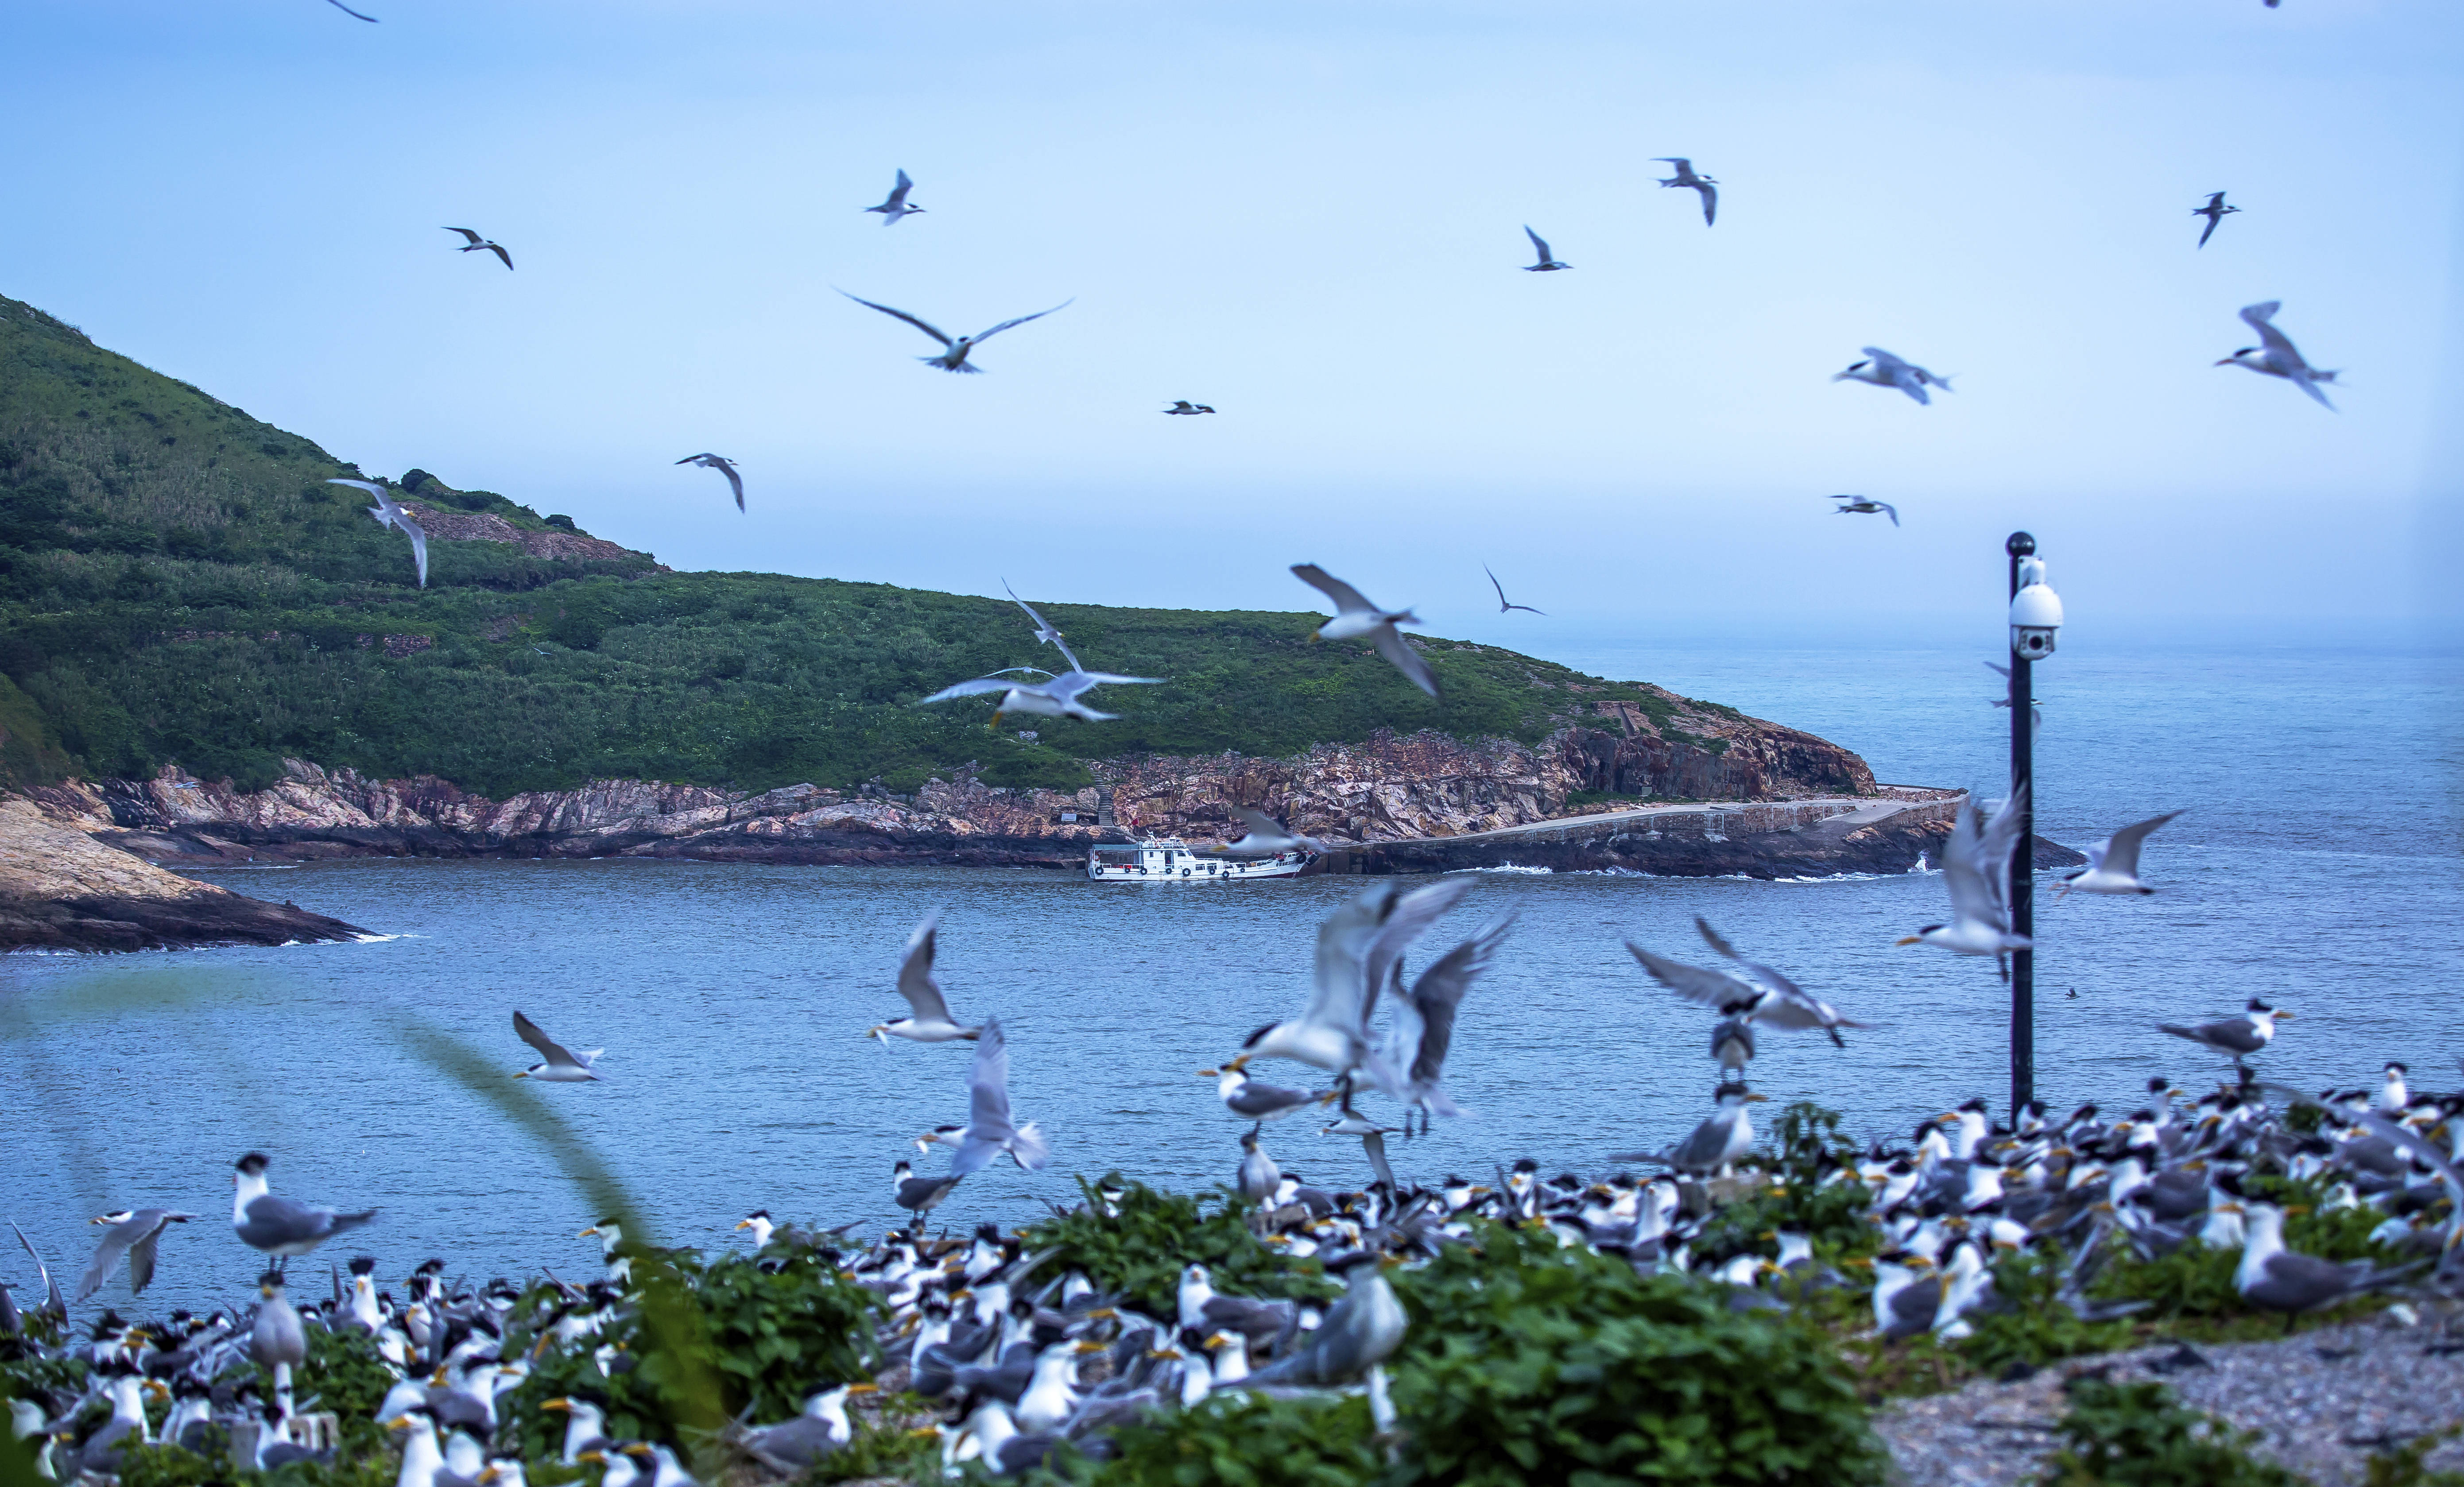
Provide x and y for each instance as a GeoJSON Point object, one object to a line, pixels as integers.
{"type": "Point", "coordinates": [1309, 215]}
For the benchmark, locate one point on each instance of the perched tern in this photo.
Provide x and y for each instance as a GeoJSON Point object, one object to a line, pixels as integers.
{"type": "Point", "coordinates": [389, 512]}
{"type": "Point", "coordinates": [133, 1233]}
{"type": "Point", "coordinates": [2113, 864]}
{"type": "Point", "coordinates": [1723, 1138]}
{"type": "Point", "coordinates": [1685, 178]}
{"type": "Point", "coordinates": [561, 1067]}
{"type": "Point", "coordinates": [2275, 355]}
{"type": "Point", "coordinates": [280, 1226]}
{"type": "Point", "coordinates": [2215, 211]}
{"type": "Point", "coordinates": [1976, 870]}
{"type": "Point", "coordinates": [473, 243]}
{"type": "Point", "coordinates": [2275, 1278]}
{"type": "Point", "coordinates": [894, 206]}
{"type": "Point", "coordinates": [931, 1021]}
{"type": "Point", "coordinates": [1864, 506]}
{"type": "Point", "coordinates": [1885, 370]}
{"type": "Point", "coordinates": [990, 1131]}
{"type": "Point", "coordinates": [954, 349]}
{"type": "Point", "coordinates": [1259, 1176]}
{"type": "Point", "coordinates": [1547, 263]}
{"type": "Point", "coordinates": [2237, 1038]}
{"type": "Point", "coordinates": [1356, 617]}
{"type": "Point", "coordinates": [918, 1195]}
{"type": "Point", "coordinates": [725, 467]}
{"type": "Point", "coordinates": [1503, 607]}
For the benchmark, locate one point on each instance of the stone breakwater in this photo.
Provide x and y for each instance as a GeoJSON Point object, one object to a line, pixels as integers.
{"type": "Point", "coordinates": [1388, 788]}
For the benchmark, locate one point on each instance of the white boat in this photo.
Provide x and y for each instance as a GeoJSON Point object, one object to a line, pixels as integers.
{"type": "Point", "coordinates": [1161, 859]}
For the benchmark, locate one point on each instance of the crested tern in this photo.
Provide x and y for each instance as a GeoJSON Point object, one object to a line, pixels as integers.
{"type": "Point", "coordinates": [1356, 617]}
{"type": "Point", "coordinates": [473, 243]}
{"type": "Point", "coordinates": [1976, 871]}
{"type": "Point", "coordinates": [280, 1226]}
{"type": "Point", "coordinates": [931, 1021]}
{"type": "Point", "coordinates": [954, 349]}
{"type": "Point", "coordinates": [2113, 864]}
{"type": "Point", "coordinates": [133, 1233]}
{"type": "Point", "coordinates": [1054, 697]}
{"type": "Point", "coordinates": [1885, 370]}
{"type": "Point", "coordinates": [1258, 1103]}
{"type": "Point", "coordinates": [918, 1195]}
{"type": "Point", "coordinates": [2215, 211]}
{"type": "Point", "coordinates": [1760, 994]}
{"type": "Point", "coordinates": [990, 1130]}
{"type": "Point", "coordinates": [2277, 1279]}
{"type": "Point", "coordinates": [2275, 355]}
{"type": "Point", "coordinates": [1864, 506]}
{"type": "Point", "coordinates": [1547, 263]}
{"type": "Point", "coordinates": [2036, 711]}
{"type": "Point", "coordinates": [1266, 837]}
{"type": "Point", "coordinates": [1259, 1175]}
{"type": "Point", "coordinates": [1424, 1020]}
{"type": "Point", "coordinates": [1687, 178]}
{"type": "Point", "coordinates": [1185, 408]}
{"type": "Point", "coordinates": [725, 467]}
{"type": "Point", "coordinates": [894, 206]}
{"type": "Point", "coordinates": [2237, 1038]}
{"type": "Point", "coordinates": [561, 1067]}
{"type": "Point", "coordinates": [389, 512]}
{"type": "Point", "coordinates": [1727, 1134]}
{"type": "Point", "coordinates": [1332, 1030]}
{"type": "Point", "coordinates": [1502, 607]}
{"type": "Point", "coordinates": [1359, 1332]}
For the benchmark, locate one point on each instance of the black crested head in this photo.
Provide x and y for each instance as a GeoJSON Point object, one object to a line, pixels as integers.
{"type": "Point", "coordinates": [1927, 928]}
{"type": "Point", "coordinates": [253, 1163]}
{"type": "Point", "coordinates": [1977, 1104]}
{"type": "Point", "coordinates": [431, 1267]}
{"type": "Point", "coordinates": [364, 1264]}
{"type": "Point", "coordinates": [2255, 1005]}
{"type": "Point", "coordinates": [2395, 1067]}
{"type": "Point", "coordinates": [758, 1212]}
{"type": "Point", "coordinates": [1526, 1165]}
{"type": "Point", "coordinates": [990, 1233]}
{"type": "Point", "coordinates": [272, 1279]}
{"type": "Point", "coordinates": [2157, 1085]}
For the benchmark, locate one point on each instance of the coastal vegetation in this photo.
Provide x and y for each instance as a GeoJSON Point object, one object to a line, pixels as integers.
{"type": "Point", "coordinates": [178, 582]}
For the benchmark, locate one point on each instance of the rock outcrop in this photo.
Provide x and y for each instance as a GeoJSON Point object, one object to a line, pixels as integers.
{"type": "Point", "coordinates": [61, 890]}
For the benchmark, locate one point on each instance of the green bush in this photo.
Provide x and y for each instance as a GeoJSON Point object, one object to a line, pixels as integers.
{"type": "Point", "coordinates": [2197, 1283]}
{"type": "Point", "coordinates": [1241, 1440]}
{"type": "Point", "coordinates": [1529, 1362]}
{"type": "Point", "coordinates": [2140, 1435]}
{"type": "Point", "coordinates": [1138, 1251]}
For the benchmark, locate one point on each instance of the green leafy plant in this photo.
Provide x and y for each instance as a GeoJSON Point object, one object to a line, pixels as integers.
{"type": "Point", "coordinates": [1808, 1147]}
{"type": "Point", "coordinates": [2408, 1465]}
{"type": "Point", "coordinates": [1241, 1440]}
{"type": "Point", "coordinates": [2140, 1435]}
{"type": "Point", "coordinates": [1138, 1249]}
{"type": "Point", "coordinates": [1532, 1362]}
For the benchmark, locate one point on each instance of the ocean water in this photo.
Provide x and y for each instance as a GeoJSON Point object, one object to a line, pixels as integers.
{"type": "Point", "coordinates": [2317, 868]}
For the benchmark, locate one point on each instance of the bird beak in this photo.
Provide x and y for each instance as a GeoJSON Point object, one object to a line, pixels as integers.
{"type": "Point", "coordinates": [522, 1074]}
{"type": "Point", "coordinates": [558, 1403]}
{"type": "Point", "coordinates": [863, 1389]}
{"type": "Point", "coordinates": [1202, 1073]}
{"type": "Point", "coordinates": [2225, 361]}
{"type": "Point", "coordinates": [1241, 1063]}
{"type": "Point", "coordinates": [1093, 1347]}
{"type": "Point", "coordinates": [1913, 939]}
{"type": "Point", "coordinates": [744, 1223]}
{"type": "Point", "coordinates": [599, 1457]}
{"type": "Point", "coordinates": [1757, 1097]}
{"type": "Point", "coordinates": [2284, 1016]}
{"type": "Point", "coordinates": [587, 1232]}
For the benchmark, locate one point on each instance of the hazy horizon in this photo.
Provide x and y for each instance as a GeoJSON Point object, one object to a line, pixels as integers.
{"type": "Point", "coordinates": [1311, 218]}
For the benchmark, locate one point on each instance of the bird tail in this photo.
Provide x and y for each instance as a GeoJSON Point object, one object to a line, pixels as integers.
{"type": "Point", "coordinates": [2178, 1032]}
{"type": "Point", "coordinates": [1030, 1147]}
{"type": "Point", "coordinates": [344, 1222]}
{"type": "Point", "coordinates": [963, 366]}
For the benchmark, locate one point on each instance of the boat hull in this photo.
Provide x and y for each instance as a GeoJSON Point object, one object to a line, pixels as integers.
{"type": "Point", "coordinates": [1172, 862]}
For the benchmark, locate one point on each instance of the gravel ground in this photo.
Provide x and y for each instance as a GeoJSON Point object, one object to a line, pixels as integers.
{"type": "Point", "coordinates": [2323, 1400]}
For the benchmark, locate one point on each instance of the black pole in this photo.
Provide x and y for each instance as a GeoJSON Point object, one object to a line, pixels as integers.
{"type": "Point", "coordinates": [2023, 878]}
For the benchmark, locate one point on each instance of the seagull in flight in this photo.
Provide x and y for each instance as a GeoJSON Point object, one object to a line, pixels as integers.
{"type": "Point", "coordinates": [931, 1022]}
{"type": "Point", "coordinates": [2113, 864]}
{"type": "Point", "coordinates": [2275, 355]}
{"type": "Point", "coordinates": [134, 1234]}
{"type": "Point", "coordinates": [1501, 605]}
{"type": "Point", "coordinates": [953, 350]}
{"type": "Point", "coordinates": [475, 244]}
{"type": "Point", "coordinates": [562, 1066]}
{"type": "Point", "coordinates": [2216, 211]}
{"type": "Point", "coordinates": [990, 1131]}
{"type": "Point", "coordinates": [1976, 870]}
{"type": "Point", "coordinates": [1864, 506]}
{"type": "Point", "coordinates": [1757, 994]}
{"type": "Point", "coordinates": [389, 512]}
{"type": "Point", "coordinates": [1055, 696]}
{"type": "Point", "coordinates": [1885, 370]}
{"type": "Point", "coordinates": [348, 10]}
{"type": "Point", "coordinates": [894, 206]}
{"type": "Point", "coordinates": [1547, 263]}
{"type": "Point", "coordinates": [1356, 617]}
{"type": "Point", "coordinates": [1685, 177]}
{"type": "Point", "coordinates": [725, 467]}
{"type": "Point", "coordinates": [1268, 837]}
{"type": "Point", "coordinates": [1183, 406]}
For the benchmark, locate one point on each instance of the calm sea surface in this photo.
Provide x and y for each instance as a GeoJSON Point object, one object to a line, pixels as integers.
{"type": "Point", "coordinates": [2317, 868]}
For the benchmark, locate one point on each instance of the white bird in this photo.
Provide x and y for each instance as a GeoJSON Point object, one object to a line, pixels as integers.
{"type": "Point", "coordinates": [894, 206]}
{"type": "Point", "coordinates": [1424, 1020]}
{"type": "Point", "coordinates": [2113, 864]}
{"type": "Point", "coordinates": [1686, 178]}
{"type": "Point", "coordinates": [1331, 1031]}
{"type": "Point", "coordinates": [134, 1234]}
{"type": "Point", "coordinates": [954, 349]}
{"type": "Point", "coordinates": [1885, 370]}
{"type": "Point", "coordinates": [562, 1066]}
{"type": "Point", "coordinates": [473, 243]}
{"type": "Point", "coordinates": [725, 467]}
{"type": "Point", "coordinates": [1547, 263]}
{"type": "Point", "coordinates": [2275, 355]}
{"type": "Point", "coordinates": [931, 1021]}
{"type": "Point", "coordinates": [1356, 617]}
{"type": "Point", "coordinates": [388, 513]}
{"type": "Point", "coordinates": [1976, 870]}
{"type": "Point", "coordinates": [990, 1130]}
{"type": "Point", "coordinates": [1266, 837]}
{"type": "Point", "coordinates": [1864, 506]}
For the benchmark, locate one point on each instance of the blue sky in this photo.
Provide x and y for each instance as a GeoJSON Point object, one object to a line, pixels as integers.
{"type": "Point", "coordinates": [1309, 216]}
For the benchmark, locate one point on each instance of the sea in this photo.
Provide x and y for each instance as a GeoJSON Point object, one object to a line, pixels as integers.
{"type": "Point", "coordinates": [2316, 866]}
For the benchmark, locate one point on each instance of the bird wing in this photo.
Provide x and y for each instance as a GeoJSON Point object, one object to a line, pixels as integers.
{"type": "Point", "coordinates": [900, 314]}
{"type": "Point", "coordinates": [1996, 667]}
{"type": "Point", "coordinates": [1963, 875]}
{"type": "Point", "coordinates": [549, 1048]}
{"type": "Point", "coordinates": [1439, 991]}
{"type": "Point", "coordinates": [1695, 983]}
{"type": "Point", "coordinates": [1347, 599]}
{"type": "Point", "coordinates": [2261, 318]}
{"type": "Point", "coordinates": [116, 1240]}
{"type": "Point", "coordinates": [1259, 821]}
{"type": "Point", "coordinates": [2312, 388]}
{"type": "Point", "coordinates": [898, 192]}
{"type": "Point", "coordinates": [974, 688]}
{"type": "Point", "coordinates": [2213, 217]}
{"type": "Point", "coordinates": [1886, 361]}
{"type": "Point", "coordinates": [1412, 915]}
{"type": "Point", "coordinates": [1044, 630]}
{"type": "Point", "coordinates": [915, 980]}
{"type": "Point", "coordinates": [498, 249]}
{"type": "Point", "coordinates": [473, 238]}
{"type": "Point", "coordinates": [1373, 1144]}
{"type": "Point", "coordinates": [1890, 511]}
{"type": "Point", "coordinates": [2122, 851]}
{"type": "Point", "coordinates": [1090, 679]}
{"type": "Point", "coordinates": [348, 10]}
{"type": "Point", "coordinates": [988, 1122]}
{"type": "Point", "coordinates": [52, 1299]}
{"type": "Point", "coordinates": [2423, 1148]}
{"type": "Point", "coordinates": [2002, 839]}
{"type": "Point", "coordinates": [1023, 320]}
{"type": "Point", "coordinates": [1338, 991]}
{"type": "Point", "coordinates": [1392, 644]}
{"type": "Point", "coordinates": [735, 481]}
{"type": "Point", "coordinates": [1540, 242]}
{"type": "Point", "coordinates": [1502, 604]}
{"type": "Point", "coordinates": [369, 485]}
{"type": "Point", "coordinates": [1710, 202]}
{"type": "Point", "coordinates": [418, 536]}
{"type": "Point", "coordinates": [1712, 938]}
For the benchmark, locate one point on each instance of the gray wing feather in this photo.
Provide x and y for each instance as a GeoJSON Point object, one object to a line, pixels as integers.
{"type": "Point", "coordinates": [1347, 599]}
{"type": "Point", "coordinates": [1391, 645]}
{"type": "Point", "coordinates": [1044, 630]}
{"type": "Point", "coordinates": [116, 1242]}
{"type": "Point", "coordinates": [1439, 991]}
{"type": "Point", "coordinates": [1412, 917]}
{"type": "Point", "coordinates": [1021, 321]}
{"type": "Point", "coordinates": [549, 1048]}
{"type": "Point", "coordinates": [970, 688]}
{"type": "Point", "coordinates": [915, 980]}
{"type": "Point", "coordinates": [927, 328]}
{"type": "Point", "coordinates": [52, 1301]}
{"type": "Point", "coordinates": [2122, 850]}
{"type": "Point", "coordinates": [2260, 318]}
{"type": "Point", "coordinates": [1695, 983]}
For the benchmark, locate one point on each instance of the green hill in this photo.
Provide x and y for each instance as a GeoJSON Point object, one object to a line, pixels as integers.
{"type": "Point", "coordinates": [177, 583]}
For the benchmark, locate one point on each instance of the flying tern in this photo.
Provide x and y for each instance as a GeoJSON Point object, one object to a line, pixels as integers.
{"type": "Point", "coordinates": [954, 349]}
{"type": "Point", "coordinates": [1976, 870]}
{"type": "Point", "coordinates": [1355, 617]}
{"type": "Point", "coordinates": [389, 512]}
{"type": "Point", "coordinates": [2113, 864]}
{"type": "Point", "coordinates": [1547, 263]}
{"type": "Point", "coordinates": [1757, 994]}
{"type": "Point", "coordinates": [1503, 607]}
{"type": "Point", "coordinates": [1885, 370]}
{"type": "Point", "coordinates": [1424, 1020]}
{"type": "Point", "coordinates": [133, 1233]}
{"type": "Point", "coordinates": [1185, 407]}
{"type": "Point", "coordinates": [990, 1130]}
{"type": "Point", "coordinates": [1686, 178]}
{"type": "Point", "coordinates": [2036, 713]}
{"type": "Point", "coordinates": [473, 243]}
{"type": "Point", "coordinates": [725, 467]}
{"type": "Point", "coordinates": [561, 1067]}
{"type": "Point", "coordinates": [1258, 1103]}
{"type": "Point", "coordinates": [2216, 211]}
{"type": "Point", "coordinates": [1864, 506]}
{"type": "Point", "coordinates": [1266, 837]}
{"type": "Point", "coordinates": [894, 206]}
{"type": "Point", "coordinates": [2275, 355]}
{"type": "Point", "coordinates": [1055, 696]}
{"type": "Point", "coordinates": [1332, 1030]}
{"type": "Point", "coordinates": [931, 1022]}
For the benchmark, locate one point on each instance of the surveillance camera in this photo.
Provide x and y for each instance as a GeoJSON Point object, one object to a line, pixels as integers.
{"type": "Point", "coordinates": [2035, 613]}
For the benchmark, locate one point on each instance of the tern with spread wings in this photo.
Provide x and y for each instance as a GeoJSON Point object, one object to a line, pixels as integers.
{"type": "Point", "coordinates": [1355, 617]}
{"type": "Point", "coordinates": [931, 1021]}
{"type": "Point", "coordinates": [1755, 993]}
{"type": "Point", "coordinates": [990, 1130]}
{"type": "Point", "coordinates": [133, 1233]}
{"type": "Point", "coordinates": [562, 1066]}
{"type": "Point", "coordinates": [895, 206]}
{"type": "Point", "coordinates": [1885, 370]}
{"type": "Point", "coordinates": [473, 243]}
{"type": "Point", "coordinates": [1976, 870]}
{"type": "Point", "coordinates": [1055, 696]}
{"type": "Point", "coordinates": [725, 467]}
{"type": "Point", "coordinates": [1687, 178]}
{"type": "Point", "coordinates": [955, 348]}
{"type": "Point", "coordinates": [2275, 356]}
{"type": "Point", "coordinates": [389, 512]}
{"type": "Point", "coordinates": [2113, 864]}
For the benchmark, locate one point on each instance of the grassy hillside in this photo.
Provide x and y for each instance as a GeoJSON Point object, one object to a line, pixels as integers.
{"type": "Point", "coordinates": [177, 583]}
